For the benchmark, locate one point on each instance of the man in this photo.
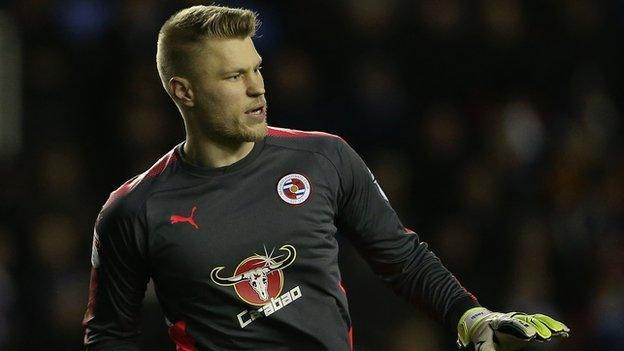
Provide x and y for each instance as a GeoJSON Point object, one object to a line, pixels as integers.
{"type": "Point", "coordinates": [236, 225]}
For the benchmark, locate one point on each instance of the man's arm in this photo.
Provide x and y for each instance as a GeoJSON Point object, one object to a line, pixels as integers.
{"type": "Point", "coordinates": [394, 252]}
{"type": "Point", "coordinates": [414, 272]}
{"type": "Point", "coordinates": [118, 279]}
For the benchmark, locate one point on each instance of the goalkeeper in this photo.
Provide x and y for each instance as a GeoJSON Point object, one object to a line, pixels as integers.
{"type": "Point", "coordinates": [237, 224]}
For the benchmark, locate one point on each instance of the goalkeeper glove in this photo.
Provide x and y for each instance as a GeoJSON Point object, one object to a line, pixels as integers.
{"type": "Point", "coordinates": [484, 330]}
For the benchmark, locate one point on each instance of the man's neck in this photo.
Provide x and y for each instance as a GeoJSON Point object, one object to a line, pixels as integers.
{"type": "Point", "coordinates": [211, 154]}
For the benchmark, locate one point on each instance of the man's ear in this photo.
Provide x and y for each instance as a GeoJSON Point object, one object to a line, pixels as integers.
{"type": "Point", "coordinates": [181, 91]}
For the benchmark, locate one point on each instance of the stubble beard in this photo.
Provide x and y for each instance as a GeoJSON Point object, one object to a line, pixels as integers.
{"type": "Point", "coordinates": [253, 133]}
{"type": "Point", "coordinates": [236, 129]}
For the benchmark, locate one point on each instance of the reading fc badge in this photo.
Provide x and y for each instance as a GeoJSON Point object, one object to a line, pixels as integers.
{"type": "Point", "coordinates": [294, 188]}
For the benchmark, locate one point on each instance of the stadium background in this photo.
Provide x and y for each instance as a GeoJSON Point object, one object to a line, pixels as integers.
{"type": "Point", "coordinates": [493, 125]}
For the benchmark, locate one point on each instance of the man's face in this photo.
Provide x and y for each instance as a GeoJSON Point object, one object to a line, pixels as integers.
{"type": "Point", "coordinates": [229, 90]}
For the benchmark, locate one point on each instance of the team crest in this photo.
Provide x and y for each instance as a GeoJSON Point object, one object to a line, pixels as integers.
{"type": "Point", "coordinates": [294, 188]}
{"type": "Point", "coordinates": [258, 279]}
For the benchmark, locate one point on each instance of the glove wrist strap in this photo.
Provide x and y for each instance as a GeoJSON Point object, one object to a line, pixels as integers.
{"type": "Point", "coordinates": [467, 322]}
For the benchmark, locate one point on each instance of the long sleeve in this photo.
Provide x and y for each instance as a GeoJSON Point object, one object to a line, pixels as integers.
{"type": "Point", "coordinates": [119, 277]}
{"type": "Point", "coordinates": [394, 252]}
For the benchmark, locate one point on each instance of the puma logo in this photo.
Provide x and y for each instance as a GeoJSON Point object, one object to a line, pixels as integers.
{"type": "Point", "coordinates": [181, 219]}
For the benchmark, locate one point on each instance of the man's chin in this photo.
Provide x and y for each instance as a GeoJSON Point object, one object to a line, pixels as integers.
{"type": "Point", "coordinates": [255, 133]}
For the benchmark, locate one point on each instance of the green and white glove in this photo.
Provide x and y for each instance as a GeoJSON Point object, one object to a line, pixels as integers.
{"type": "Point", "coordinates": [480, 329]}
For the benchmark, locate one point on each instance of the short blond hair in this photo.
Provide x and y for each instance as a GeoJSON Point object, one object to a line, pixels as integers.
{"type": "Point", "coordinates": [181, 32]}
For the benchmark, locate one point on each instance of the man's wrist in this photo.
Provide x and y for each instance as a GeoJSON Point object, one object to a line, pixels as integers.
{"type": "Point", "coordinates": [467, 322]}
{"type": "Point", "coordinates": [457, 309]}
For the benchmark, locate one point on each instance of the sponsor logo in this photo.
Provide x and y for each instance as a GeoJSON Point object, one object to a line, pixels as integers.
{"type": "Point", "coordinates": [247, 316]}
{"type": "Point", "coordinates": [294, 188]}
{"type": "Point", "coordinates": [185, 219]}
{"type": "Point", "coordinates": [259, 278]}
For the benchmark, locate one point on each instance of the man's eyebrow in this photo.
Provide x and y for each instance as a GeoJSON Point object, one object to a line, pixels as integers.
{"type": "Point", "coordinates": [233, 70]}
{"type": "Point", "coordinates": [240, 69]}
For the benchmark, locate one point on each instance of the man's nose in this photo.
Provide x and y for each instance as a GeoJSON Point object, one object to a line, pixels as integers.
{"type": "Point", "coordinates": [256, 86]}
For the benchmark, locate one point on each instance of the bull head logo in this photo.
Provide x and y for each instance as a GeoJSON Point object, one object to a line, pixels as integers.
{"type": "Point", "coordinates": [258, 276]}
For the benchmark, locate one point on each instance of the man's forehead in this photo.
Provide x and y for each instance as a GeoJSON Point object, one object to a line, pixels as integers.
{"type": "Point", "coordinates": [230, 53]}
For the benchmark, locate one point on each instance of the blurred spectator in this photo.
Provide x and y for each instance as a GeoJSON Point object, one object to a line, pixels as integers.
{"type": "Point", "coordinates": [294, 87]}
{"type": "Point", "coordinates": [608, 303]}
{"type": "Point", "coordinates": [371, 18]}
{"type": "Point", "coordinates": [56, 246]}
{"type": "Point", "coordinates": [442, 17]}
{"type": "Point", "coordinates": [444, 133]}
{"type": "Point", "coordinates": [396, 170]}
{"type": "Point", "coordinates": [416, 334]}
{"type": "Point", "coordinates": [378, 103]}
{"type": "Point", "coordinates": [584, 18]}
{"type": "Point", "coordinates": [524, 132]}
{"type": "Point", "coordinates": [503, 20]}
{"type": "Point", "coordinates": [8, 289]}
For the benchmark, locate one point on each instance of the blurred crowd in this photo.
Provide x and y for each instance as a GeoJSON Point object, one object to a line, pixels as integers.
{"type": "Point", "coordinates": [494, 127]}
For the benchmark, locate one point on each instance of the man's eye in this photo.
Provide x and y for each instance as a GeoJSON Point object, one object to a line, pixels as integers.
{"type": "Point", "coordinates": [234, 77]}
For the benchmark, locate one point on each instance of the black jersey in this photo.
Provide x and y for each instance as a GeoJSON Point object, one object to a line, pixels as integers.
{"type": "Point", "coordinates": [246, 257]}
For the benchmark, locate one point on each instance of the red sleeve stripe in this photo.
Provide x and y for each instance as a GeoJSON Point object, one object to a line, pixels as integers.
{"type": "Point", "coordinates": [152, 172]}
{"type": "Point", "coordinates": [182, 340]}
{"type": "Point", "coordinates": [344, 291]}
{"type": "Point", "coordinates": [342, 288]}
{"type": "Point", "coordinates": [293, 133]}
{"type": "Point", "coordinates": [351, 338]}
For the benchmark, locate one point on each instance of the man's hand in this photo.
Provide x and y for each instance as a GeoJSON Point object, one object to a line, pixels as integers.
{"type": "Point", "coordinates": [483, 330]}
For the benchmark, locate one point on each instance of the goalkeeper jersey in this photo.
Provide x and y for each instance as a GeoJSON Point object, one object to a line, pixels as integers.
{"type": "Point", "coordinates": [245, 257]}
